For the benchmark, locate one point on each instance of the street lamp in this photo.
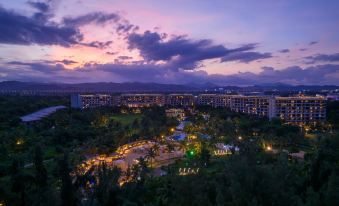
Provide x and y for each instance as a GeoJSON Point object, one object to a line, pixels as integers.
{"type": "Point", "coordinates": [269, 148]}
{"type": "Point", "coordinates": [240, 138]}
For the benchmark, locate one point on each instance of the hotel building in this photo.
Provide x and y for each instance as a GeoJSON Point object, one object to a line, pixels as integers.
{"type": "Point", "coordinates": [292, 110]}
{"type": "Point", "coordinates": [84, 101]}
{"type": "Point", "coordinates": [215, 100]}
{"type": "Point", "coordinates": [175, 113]}
{"type": "Point", "coordinates": [142, 100]}
{"type": "Point", "coordinates": [256, 105]}
{"type": "Point", "coordinates": [301, 110]}
{"type": "Point", "coordinates": [180, 100]}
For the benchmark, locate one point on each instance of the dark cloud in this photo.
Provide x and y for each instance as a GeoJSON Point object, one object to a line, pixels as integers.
{"type": "Point", "coordinates": [124, 57]}
{"type": "Point", "coordinates": [18, 29]}
{"type": "Point", "coordinates": [44, 10]}
{"type": "Point", "coordinates": [152, 46]}
{"type": "Point", "coordinates": [91, 18]}
{"type": "Point", "coordinates": [322, 58]}
{"type": "Point", "coordinates": [67, 62]}
{"type": "Point", "coordinates": [45, 67]}
{"type": "Point", "coordinates": [41, 6]}
{"type": "Point", "coordinates": [284, 51]}
{"type": "Point", "coordinates": [124, 27]}
{"type": "Point", "coordinates": [150, 72]}
{"type": "Point", "coordinates": [38, 29]}
{"type": "Point", "coordinates": [98, 44]}
{"type": "Point", "coordinates": [246, 57]}
{"type": "Point", "coordinates": [313, 42]}
{"type": "Point", "coordinates": [303, 49]}
{"type": "Point", "coordinates": [112, 53]}
{"type": "Point", "coordinates": [182, 53]}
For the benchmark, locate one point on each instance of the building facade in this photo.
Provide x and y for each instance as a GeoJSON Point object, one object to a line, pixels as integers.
{"type": "Point", "coordinates": [175, 113]}
{"type": "Point", "coordinates": [84, 101]}
{"type": "Point", "coordinates": [142, 100]}
{"type": "Point", "coordinates": [293, 110]}
{"type": "Point", "coordinates": [180, 100]}
{"type": "Point", "coordinates": [301, 110]}
{"type": "Point", "coordinates": [215, 100]}
{"type": "Point", "coordinates": [255, 105]}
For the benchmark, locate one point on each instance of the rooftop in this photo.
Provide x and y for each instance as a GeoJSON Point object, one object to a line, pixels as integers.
{"type": "Point", "coordinates": [38, 115]}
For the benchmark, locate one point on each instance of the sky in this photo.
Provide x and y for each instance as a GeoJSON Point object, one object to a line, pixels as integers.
{"type": "Point", "coordinates": [223, 42]}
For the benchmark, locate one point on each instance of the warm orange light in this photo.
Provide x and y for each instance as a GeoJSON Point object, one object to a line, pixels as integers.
{"type": "Point", "coordinates": [19, 142]}
{"type": "Point", "coordinates": [269, 148]}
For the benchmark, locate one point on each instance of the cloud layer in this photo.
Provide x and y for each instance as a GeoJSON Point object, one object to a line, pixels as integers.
{"type": "Point", "coordinates": [140, 72]}
{"type": "Point", "coordinates": [144, 55]}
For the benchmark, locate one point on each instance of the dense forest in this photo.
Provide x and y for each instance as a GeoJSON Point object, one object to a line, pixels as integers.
{"type": "Point", "coordinates": [37, 159]}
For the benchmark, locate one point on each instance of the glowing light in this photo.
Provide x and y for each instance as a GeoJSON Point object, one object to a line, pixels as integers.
{"type": "Point", "coordinates": [269, 148]}
{"type": "Point", "coordinates": [240, 138]}
{"type": "Point", "coordinates": [172, 129]}
{"type": "Point", "coordinates": [19, 142]}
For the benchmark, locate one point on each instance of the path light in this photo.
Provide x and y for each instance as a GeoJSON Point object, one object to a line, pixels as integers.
{"type": "Point", "coordinates": [269, 148]}
{"type": "Point", "coordinates": [19, 142]}
{"type": "Point", "coordinates": [172, 129]}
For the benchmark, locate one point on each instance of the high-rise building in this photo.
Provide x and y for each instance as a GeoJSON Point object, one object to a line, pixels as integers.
{"type": "Point", "coordinates": [301, 109]}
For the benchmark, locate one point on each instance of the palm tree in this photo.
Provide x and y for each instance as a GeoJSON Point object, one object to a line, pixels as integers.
{"type": "Point", "coordinates": [151, 154]}
{"type": "Point", "coordinates": [170, 147]}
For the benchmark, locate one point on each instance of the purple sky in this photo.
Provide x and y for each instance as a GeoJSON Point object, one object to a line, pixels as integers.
{"type": "Point", "coordinates": [226, 42]}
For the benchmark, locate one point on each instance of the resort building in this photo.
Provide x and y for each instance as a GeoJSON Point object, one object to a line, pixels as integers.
{"type": "Point", "coordinates": [215, 100]}
{"type": "Point", "coordinates": [256, 105]}
{"type": "Point", "coordinates": [292, 110]}
{"type": "Point", "coordinates": [83, 101]}
{"type": "Point", "coordinates": [180, 100]}
{"type": "Point", "coordinates": [301, 109]}
{"type": "Point", "coordinates": [142, 100]}
{"type": "Point", "coordinates": [207, 99]}
{"type": "Point", "coordinates": [175, 113]}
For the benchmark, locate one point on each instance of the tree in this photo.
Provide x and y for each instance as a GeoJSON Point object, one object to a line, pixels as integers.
{"type": "Point", "coordinates": [19, 182]}
{"type": "Point", "coordinates": [40, 176]}
{"type": "Point", "coordinates": [68, 196]}
{"type": "Point", "coordinates": [107, 189]}
{"type": "Point", "coordinates": [151, 154]}
{"type": "Point", "coordinates": [40, 170]}
{"type": "Point", "coordinates": [205, 155]}
{"type": "Point", "coordinates": [332, 190]}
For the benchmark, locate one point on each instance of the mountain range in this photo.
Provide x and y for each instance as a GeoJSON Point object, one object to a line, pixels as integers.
{"type": "Point", "coordinates": [16, 86]}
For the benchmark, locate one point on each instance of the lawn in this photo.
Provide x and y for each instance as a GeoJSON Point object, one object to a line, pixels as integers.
{"type": "Point", "coordinates": [126, 119]}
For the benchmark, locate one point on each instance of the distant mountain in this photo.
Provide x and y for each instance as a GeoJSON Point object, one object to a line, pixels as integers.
{"type": "Point", "coordinates": [94, 87]}
{"type": "Point", "coordinates": [137, 87]}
